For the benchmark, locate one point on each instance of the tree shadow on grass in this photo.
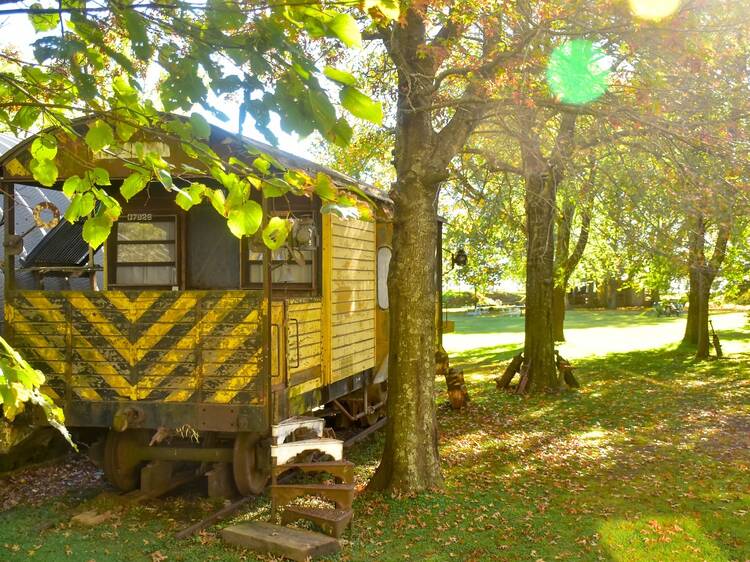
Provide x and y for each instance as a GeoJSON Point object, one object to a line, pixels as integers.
{"type": "Point", "coordinates": [485, 359]}
{"type": "Point", "coordinates": [632, 446]}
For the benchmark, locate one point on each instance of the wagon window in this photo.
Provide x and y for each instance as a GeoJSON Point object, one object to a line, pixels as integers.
{"type": "Point", "coordinates": [293, 265]}
{"type": "Point", "coordinates": [145, 253]}
{"type": "Point", "coordinates": [384, 264]}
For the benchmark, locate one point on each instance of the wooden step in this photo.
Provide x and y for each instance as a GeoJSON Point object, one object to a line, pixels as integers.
{"type": "Point", "coordinates": [295, 544]}
{"type": "Point", "coordinates": [332, 522]}
{"type": "Point", "coordinates": [341, 494]}
{"type": "Point", "coordinates": [343, 470]}
{"type": "Point", "coordinates": [285, 452]}
{"type": "Point", "coordinates": [285, 428]}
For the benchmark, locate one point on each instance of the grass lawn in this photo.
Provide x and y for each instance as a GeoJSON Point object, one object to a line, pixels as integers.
{"type": "Point", "coordinates": [650, 460]}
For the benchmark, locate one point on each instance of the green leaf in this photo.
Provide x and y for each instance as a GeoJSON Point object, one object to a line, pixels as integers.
{"type": "Point", "coordinates": [165, 178]}
{"type": "Point", "coordinates": [201, 128]}
{"type": "Point", "coordinates": [340, 76]}
{"type": "Point", "coordinates": [344, 26]}
{"type": "Point", "coordinates": [216, 197]}
{"type": "Point", "coordinates": [138, 33]}
{"type": "Point", "coordinates": [96, 229]}
{"type": "Point", "coordinates": [26, 117]}
{"type": "Point", "coordinates": [81, 205]}
{"type": "Point", "coordinates": [111, 205]}
{"type": "Point", "coordinates": [43, 22]}
{"type": "Point", "coordinates": [99, 136]}
{"type": "Point", "coordinates": [360, 105]}
{"type": "Point", "coordinates": [296, 178]}
{"type": "Point", "coordinates": [389, 8]}
{"type": "Point", "coordinates": [124, 130]}
{"type": "Point", "coordinates": [44, 147]}
{"type": "Point", "coordinates": [275, 187]}
{"type": "Point", "coordinates": [245, 219]}
{"type": "Point", "coordinates": [225, 14]}
{"type": "Point", "coordinates": [324, 188]}
{"type": "Point", "coordinates": [71, 185]}
{"type": "Point", "coordinates": [99, 176]}
{"type": "Point", "coordinates": [125, 91]}
{"type": "Point", "coordinates": [262, 164]}
{"type": "Point", "coordinates": [133, 184]}
{"type": "Point", "coordinates": [276, 232]}
{"type": "Point", "coordinates": [191, 196]}
{"type": "Point", "coordinates": [44, 171]}
{"type": "Point", "coordinates": [341, 133]}
{"type": "Point", "coordinates": [323, 111]}
{"type": "Point", "coordinates": [343, 211]}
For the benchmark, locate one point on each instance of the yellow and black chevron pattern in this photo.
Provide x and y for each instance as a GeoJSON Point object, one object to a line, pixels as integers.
{"type": "Point", "coordinates": [170, 346]}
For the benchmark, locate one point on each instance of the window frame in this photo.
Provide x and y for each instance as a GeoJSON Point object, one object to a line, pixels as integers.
{"type": "Point", "coordinates": [113, 244]}
{"type": "Point", "coordinates": [314, 287]}
{"type": "Point", "coordinates": [377, 276]}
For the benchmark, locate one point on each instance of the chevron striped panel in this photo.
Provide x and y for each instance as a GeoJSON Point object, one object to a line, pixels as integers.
{"type": "Point", "coordinates": [171, 346]}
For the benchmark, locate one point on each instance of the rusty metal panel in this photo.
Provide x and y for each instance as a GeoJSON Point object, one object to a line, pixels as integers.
{"type": "Point", "coordinates": [145, 346]}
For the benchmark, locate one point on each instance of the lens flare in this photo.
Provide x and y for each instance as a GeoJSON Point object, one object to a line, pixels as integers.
{"type": "Point", "coordinates": [654, 10]}
{"type": "Point", "coordinates": [578, 72]}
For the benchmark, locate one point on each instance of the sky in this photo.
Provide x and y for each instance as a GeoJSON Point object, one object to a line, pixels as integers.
{"type": "Point", "coordinates": [16, 30]}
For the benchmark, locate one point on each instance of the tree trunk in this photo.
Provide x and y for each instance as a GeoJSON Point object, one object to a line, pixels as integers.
{"type": "Point", "coordinates": [539, 347]}
{"type": "Point", "coordinates": [691, 327]}
{"type": "Point", "coordinates": [410, 460]}
{"type": "Point", "coordinates": [704, 290]}
{"type": "Point", "coordinates": [565, 260]}
{"type": "Point", "coordinates": [702, 275]}
{"type": "Point", "coordinates": [655, 296]}
{"type": "Point", "coordinates": [558, 311]}
{"type": "Point", "coordinates": [697, 263]}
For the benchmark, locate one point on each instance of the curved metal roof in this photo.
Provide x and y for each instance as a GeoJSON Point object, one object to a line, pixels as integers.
{"type": "Point", "coordinates": [11, 146]}
{"type": "Point", "coordinates": [7, 141]}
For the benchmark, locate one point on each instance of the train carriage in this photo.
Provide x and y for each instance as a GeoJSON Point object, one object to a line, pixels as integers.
{"type": "Point", "coordinates": [196, 332]}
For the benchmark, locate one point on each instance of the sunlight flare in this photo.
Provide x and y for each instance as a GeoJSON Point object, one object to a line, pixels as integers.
{"type": "Point", "coordinates": [654, 10]}
{"type": "Point", "coordinates": [578, 72]}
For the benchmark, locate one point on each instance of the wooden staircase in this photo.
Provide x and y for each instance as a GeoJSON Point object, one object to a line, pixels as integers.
{"type": "Point", "coordinates": [284, 457]}
{"type": "Point", "coordinates": [295, 444]}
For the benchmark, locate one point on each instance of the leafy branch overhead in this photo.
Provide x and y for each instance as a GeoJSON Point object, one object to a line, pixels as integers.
{"type": "Point", "coordinates": [91, 68]}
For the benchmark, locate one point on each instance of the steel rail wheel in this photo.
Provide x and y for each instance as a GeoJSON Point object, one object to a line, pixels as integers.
{"type": "Point", "coordinates": [250, 473]}
{"type": "Point", "coordinates": [122, 465]}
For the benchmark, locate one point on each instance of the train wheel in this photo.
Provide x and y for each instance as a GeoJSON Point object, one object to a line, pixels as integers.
{"type": "Point", "coordinates": [250, 472]}
{"type": "Point", "coordinates": [121, 462]}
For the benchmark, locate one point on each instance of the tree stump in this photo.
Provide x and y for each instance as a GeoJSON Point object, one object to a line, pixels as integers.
{"type": "Point", "coordinates": [457, 393]}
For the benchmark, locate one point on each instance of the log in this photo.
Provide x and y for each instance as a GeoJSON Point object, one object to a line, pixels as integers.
{"type": "Point", "coordinates": [524, 377]}
{"type": "Point", "coordinates": [510, 372]}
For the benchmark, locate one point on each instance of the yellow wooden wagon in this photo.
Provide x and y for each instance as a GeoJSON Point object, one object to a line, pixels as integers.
{"type": "Point", "coordinates": [192, 331]}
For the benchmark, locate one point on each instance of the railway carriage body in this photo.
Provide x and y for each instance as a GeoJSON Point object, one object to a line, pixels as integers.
{"type": "Point", "coordinates": [193, 329]}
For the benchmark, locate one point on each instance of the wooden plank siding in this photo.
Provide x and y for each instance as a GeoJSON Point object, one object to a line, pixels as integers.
{"type": "Point", "coordinates": [304, 342]}
{"type": "Point", "coordinates": [352, 301]}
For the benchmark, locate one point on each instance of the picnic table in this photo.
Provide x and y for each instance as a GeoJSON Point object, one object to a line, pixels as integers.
{"type": "Point", "coordinates": [504, 310]}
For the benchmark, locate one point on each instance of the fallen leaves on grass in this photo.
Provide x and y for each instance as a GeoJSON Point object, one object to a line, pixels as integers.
{"type": "Point", "coordinates": [35, 485]}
